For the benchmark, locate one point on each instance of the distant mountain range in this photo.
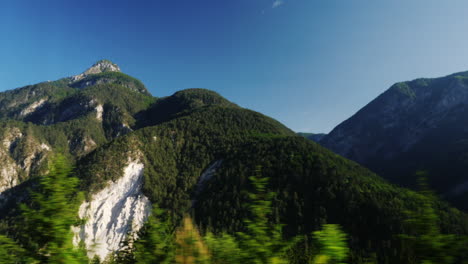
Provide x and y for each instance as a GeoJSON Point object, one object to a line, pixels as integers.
{"type": "Point", "coordinates": [193, 152]}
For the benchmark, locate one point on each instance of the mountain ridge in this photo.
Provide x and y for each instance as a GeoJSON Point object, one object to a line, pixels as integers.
{"type": "Point", "coordinates": [414, 125]}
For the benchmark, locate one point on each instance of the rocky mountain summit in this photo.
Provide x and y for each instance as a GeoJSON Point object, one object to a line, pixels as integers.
{"type": "Point", "coordinates": [99, 67]}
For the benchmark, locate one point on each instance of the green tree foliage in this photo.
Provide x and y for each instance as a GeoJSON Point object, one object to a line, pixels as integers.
{"type": "Point", "coordinates": [47, 221]}
{"type": "Point", "coordinates": [314, 187]}
{"type": "Point", "coordinates": [11, 252]}
{"type": "Point", "coordinates": [262, 242]}
{"type": "Point", "coordinates": [180, 103]}
{"type": "Point", "coordinates": [156, 242]}
{"type": "Point", "coordinates": [424, 237]}
{"type": "Point", "coordinates": [13, 101]}
{"type": "Point", "coordinates": [332, 244]}
{"type": "Point", "coordinates": [224, 247]}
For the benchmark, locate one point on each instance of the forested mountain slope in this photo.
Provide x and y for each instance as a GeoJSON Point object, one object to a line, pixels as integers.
{"type": "Point", "coordinates": [192, 153]}
{"type": "Point", "coordinates": [314, 187]}
{"type": "Point", "coordinates": [64, 117]}
{"type": "Point", "coordinates": [415, 125]}
{"type": "Point", "coordinates": [200, 163]}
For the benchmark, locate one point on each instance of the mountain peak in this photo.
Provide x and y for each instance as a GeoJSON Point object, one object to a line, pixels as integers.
{"type": "Point", "coordinates": [102, 66]}
{"type": "Point", "coordinates": [98, 67]}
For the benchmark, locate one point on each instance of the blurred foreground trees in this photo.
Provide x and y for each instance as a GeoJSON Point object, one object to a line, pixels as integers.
{"type": "Point", "coordinates": [262, 241]}
{"type": "Point", "coordinates": [45, 234]}
{"type": "Point", "coordinates": [424, 236]}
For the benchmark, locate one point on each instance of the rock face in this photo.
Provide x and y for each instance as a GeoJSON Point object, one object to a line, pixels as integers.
{"type": "Point", "coordinates": [20, 155]}
{"type": "Point", "coordinates": [205, 177]}
{"type": "Point", "coordinates": [98, 67]}
{"type": "Point", "coordinates": [9, 172]}
{"type": "Point", "coordinates": [99, 110]}
{"type": "Point", "coordinates": [415, 125]}
{"type": "Point", "coordinates": [32, 107]}
{"type": "Point", "coordinates": [113, 212]}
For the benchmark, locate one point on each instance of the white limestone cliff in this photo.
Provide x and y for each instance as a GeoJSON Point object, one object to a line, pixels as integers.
{"type": "Point", "coordinates": [113, 212]}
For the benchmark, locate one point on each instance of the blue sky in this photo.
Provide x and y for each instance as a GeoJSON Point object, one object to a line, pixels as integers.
{"type": "Point", "coordinates": [307, 63]}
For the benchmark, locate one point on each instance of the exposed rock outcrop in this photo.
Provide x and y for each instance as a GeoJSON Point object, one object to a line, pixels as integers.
{"type": "Point", "coordinates": [20, 155]}
{"type": "Point", "coordinates": [205, 177]}
{"type": "Point", "coordinates": [32, 107]}
{"type": "Point", "coordinates": [98, 67]}
{"type": "Point", "coordinates": [113, 212]}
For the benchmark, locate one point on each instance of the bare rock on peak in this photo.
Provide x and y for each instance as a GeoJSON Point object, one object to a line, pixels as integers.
{"type": "Point", "coordinates": [99, 67]}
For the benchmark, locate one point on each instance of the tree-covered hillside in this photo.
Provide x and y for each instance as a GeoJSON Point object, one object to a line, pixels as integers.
{"type": "Point", "coordinates": [313, 185]}
{"type": "Point", "coordinates": [415, 125]}
{"type": "Point", "coordinates": [190, 154]}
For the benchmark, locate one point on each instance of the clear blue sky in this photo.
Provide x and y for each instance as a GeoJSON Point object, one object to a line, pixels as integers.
{"type": "Point", "coordinates": [308, 63]}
